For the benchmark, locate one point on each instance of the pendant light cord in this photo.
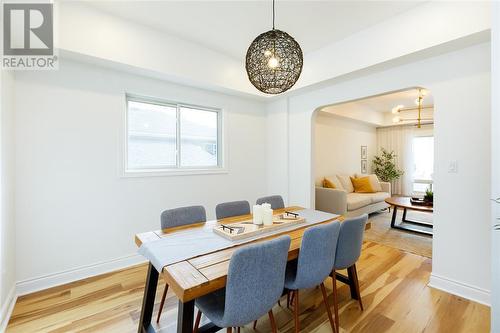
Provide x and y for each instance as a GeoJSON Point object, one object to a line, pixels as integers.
{"type": "Point", "coordinates": [273, 15]}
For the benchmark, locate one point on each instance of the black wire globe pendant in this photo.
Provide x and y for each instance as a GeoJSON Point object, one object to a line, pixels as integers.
{"type": "Point", "coordinates": [274, 62]}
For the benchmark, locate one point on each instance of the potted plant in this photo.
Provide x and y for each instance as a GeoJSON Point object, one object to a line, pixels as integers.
{"type": "Point", "coordinates": [384, 166]}
{"type": "Point", "coordinates": [429, 197]}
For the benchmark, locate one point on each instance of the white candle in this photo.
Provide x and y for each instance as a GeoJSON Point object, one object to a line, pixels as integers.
{"type": "Point", "coordinates": [268, 216]}
{"type": "Point", "coordinates": [257, 214]}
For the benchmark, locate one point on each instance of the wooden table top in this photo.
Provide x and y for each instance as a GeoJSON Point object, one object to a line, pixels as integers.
{"type": "Point", "coordinates": [404, 202]}
{"type": "Point", "coordinates": [198, 276]}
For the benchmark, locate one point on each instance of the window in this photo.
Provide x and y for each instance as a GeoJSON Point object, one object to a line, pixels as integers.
{"type": "Point", "coordinates": [165, 136]}
{"type": "Point", "coordinates": [423, 161]}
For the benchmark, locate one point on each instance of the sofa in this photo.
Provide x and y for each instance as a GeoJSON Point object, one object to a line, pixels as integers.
{"type": "Point", "coordinates": [345, 201]}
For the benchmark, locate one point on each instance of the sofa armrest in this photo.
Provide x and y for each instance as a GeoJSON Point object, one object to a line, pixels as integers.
{"type": "Point", "coordinates": [386, 187]}
{"type": "Point", "coordinates": [331, 200]}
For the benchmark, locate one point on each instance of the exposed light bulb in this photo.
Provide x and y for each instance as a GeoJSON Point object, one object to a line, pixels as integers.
{"type": "Point", "coordinates": [417, 101]}
{"type": "Point", "coordinates": [267, 53]}
{"type": "Point", "coordinates": [423, 92]}
{"type": "Point", "coordinates": [397, 108]}
{"type": "Point", "coordinates": [396, 120]}
{"type": "Point", "coordinates": [273, 63]}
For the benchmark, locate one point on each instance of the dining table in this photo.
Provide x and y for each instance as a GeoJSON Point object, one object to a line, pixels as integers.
{"type": "Point", "coordinates": [191, 275]}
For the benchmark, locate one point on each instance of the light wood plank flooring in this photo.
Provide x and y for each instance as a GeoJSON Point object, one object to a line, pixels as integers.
{"type": "Point", "coordinates": [393, 286]}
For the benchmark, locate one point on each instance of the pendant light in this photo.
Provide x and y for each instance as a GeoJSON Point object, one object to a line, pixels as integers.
{"type": "Point", "coordinates": [274, 61]}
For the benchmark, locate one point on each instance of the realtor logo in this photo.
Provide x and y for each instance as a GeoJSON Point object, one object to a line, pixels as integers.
{"type": "Point", "coordinates": [28, 36]}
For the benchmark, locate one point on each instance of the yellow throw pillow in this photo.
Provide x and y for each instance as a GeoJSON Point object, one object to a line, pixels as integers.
{"type": "Point", "coordinates": [362, 185]}
{"type": "Point", "coordinates": [327, 183]}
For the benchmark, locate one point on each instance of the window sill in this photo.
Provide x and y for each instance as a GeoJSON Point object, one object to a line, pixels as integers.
{"type": "Point", "coordinates": [172, 172]}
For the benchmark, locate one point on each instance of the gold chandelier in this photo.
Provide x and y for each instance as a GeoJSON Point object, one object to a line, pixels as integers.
{"type": "Point", "coordinates": [419, 108]}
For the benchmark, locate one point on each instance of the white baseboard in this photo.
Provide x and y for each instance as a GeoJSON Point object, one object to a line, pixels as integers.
{"type": "Point", "coordinates": [52, 280]}
{"type": "Point", "coordinates": [7, 307]}
{"type": "Point", "coordinates": [472, 293]}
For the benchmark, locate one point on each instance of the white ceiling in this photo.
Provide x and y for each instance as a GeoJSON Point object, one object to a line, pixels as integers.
{"type": "Point", "coordinates": [383, 103]}
{"type": "Point", "coordinates": [230, 26]}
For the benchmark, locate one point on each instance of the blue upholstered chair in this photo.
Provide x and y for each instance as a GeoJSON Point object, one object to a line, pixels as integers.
{"type": "Point", "coordinates": [314, 265]}
{"type": "Point", "coordinates": [233, 208]}
{"type": "Point", "coordinates": [254, 284]}
{"type": "Point", "coordinates": [348, 252]}
{"type": "Point", "coordinates": [276, 201]}
{"type": "Point", "coordinates": [177, 217]}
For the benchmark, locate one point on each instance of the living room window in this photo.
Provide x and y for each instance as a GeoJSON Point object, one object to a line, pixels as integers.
{"type": "Point", "coordinates": [164, 137]}
{"type": "Point", "coordinates": [423, 162]}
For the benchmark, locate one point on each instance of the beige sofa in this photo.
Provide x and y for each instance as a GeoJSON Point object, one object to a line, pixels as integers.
{"type": "Point", "coordinates": [344, 201]}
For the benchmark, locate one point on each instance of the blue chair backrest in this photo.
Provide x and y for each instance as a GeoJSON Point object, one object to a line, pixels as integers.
{"type": "Point", "coordinates": [317, 255]}
{"type": "Point", "coordinates": [182, 216]}
{"type": "Point", "coordinates": [233, 208]}
{"type": "Point", "coordinates": [276, 201]}
{"type": "Point", "coordinates": [255, 280]}
{"type": "Point", "coordinates": [350, 241]}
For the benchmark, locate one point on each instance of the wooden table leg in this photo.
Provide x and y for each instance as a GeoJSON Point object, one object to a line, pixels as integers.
{"type": "Point", "coordinates": [185, 317]}
{"type": "Point", "coordinates": [148, 301]}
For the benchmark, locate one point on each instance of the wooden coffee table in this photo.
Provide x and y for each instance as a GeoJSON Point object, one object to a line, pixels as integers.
{"type": "Point", "coordinates": [409, 225]}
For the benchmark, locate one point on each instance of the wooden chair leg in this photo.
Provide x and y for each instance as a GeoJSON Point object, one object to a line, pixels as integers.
{"type": "Point", "coordinates": [356, 284]}
{"type": "Point", "coordinates": [162, 303]}
{"type": "Point", "coordinates": [239, 329]}
{"type": "Point", "coordinates": [352, 284]}
{"type": "Point", "coordinates": [197, 322]}
{"type": "Point", "coordinates": [255, 324]}
{"type": "Point", "coordinates": [327, 305]}
{"type": "Point", "coordinates": [296, 310]}
{"type": "Point", "coordinates": [288, 300]}
{"type": "Point", "coordinates": [335, 301]}
{"type": "Point", "coordinates": [273, 323]}
{"type": "Point", "coordinates": [229, 330]}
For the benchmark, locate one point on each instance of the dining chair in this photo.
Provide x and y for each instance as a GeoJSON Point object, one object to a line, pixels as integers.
{"type": "Point", "coordinates": [233, 208]}
{"type": "Point", "coordinates": [348, 251]}
{"type": "Point", "coordinates": [255, 282]}
{"type": "Point", "coordinates": [177, 217]}
{"type": "Point", "coordinates": [315, 262]}
{"type": "Point", "coordinates": [276, 201]}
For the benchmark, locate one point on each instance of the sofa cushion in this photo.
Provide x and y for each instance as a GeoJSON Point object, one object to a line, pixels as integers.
{"type": "Point", "coordinates": [358, 200]}
{"type": "Point", "coordinates": [375, 182]}
{"type": "Point", "coordinates": [334, 180]}
{"type": "Point", "coordinates": [379, 197]}
{"type": "Point", "coordinates": [362, 185]}
{"type": "Point", "coordinates": [345, 180]}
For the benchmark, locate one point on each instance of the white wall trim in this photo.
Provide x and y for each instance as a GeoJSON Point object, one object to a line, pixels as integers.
{"type": "Point", "coordinates": [460, 289]}
{"type": "Point", "coordinates": [51, 280]}
{"type": "Point", "coordinates": [7, 308]}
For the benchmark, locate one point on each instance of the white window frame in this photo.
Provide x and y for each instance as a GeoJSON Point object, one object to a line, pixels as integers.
{"type": "Point", "coordinates": [178, 169]}
{"type": "Point", "coordinates": [429, 182]}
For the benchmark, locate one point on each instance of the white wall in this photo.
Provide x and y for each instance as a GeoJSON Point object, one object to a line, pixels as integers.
{"type": "Point", "coordinates": [337, 145]}
{"type": "Point", "coordinates": [495, 166]}
{"type": "Point", "coordinates": [134, 45]}
{"type": "Point", "coordinates": [123, 42]}
{"type": "Point", "coordinates": [425, 26]}
{"type": "Point", "coordinates": [73, 208]}
{"type": "Point", "coordinates": [7, 226]}
{"type": "Point", "coordinates": [460, 83]}
{"type": "Point", "coordinates": [277, 148]}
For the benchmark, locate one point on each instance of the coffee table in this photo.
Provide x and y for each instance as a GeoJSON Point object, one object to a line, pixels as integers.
{"type": "Point", "coordinates": [409, 225]}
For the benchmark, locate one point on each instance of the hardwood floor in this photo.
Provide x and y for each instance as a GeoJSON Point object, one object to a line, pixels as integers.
{"type": "Point", "coordinates": [393, 285]}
